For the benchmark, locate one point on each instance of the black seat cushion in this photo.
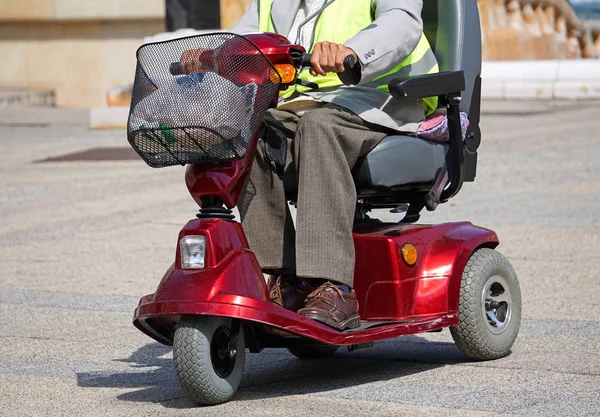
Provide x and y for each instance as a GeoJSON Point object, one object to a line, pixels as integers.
{"type": "Point", "coordinates": [399, 161]}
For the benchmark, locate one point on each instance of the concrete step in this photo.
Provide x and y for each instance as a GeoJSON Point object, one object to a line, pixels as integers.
{"type": "Point", "coordinates": [17, 97]}
{"type": "Point", "coordinates": [550, 79]}
{"type": "Point", "coordinates": [43, 116]}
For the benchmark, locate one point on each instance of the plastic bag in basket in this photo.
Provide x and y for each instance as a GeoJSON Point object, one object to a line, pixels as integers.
{"type": "Point", "coordinates": [203, 108]}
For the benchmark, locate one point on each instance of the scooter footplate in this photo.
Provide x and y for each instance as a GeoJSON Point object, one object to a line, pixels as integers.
{"type": "Point", "coordinates": [269, 314]}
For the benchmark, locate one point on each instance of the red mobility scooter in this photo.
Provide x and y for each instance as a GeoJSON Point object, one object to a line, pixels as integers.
{"type": "Point", "coordinates": [213, 302]}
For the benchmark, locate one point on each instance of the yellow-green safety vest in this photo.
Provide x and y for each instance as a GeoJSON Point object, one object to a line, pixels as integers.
{"type": "Point", "coordinates": [339, 22]}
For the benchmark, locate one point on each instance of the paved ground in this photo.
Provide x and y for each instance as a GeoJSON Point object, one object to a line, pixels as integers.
{"type": "Point", "coordinates": [80, 242]}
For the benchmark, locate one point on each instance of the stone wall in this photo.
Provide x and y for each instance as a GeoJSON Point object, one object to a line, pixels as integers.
{"type": "Point", "coordinates": [512, 29]}
{"type": "Point", "coordinates": [36, 10]}
{"type": "Point", "coordinates": [78, 48]}
{"type": "Point", "coordinates": [536, 29]}
{"type": "Point", "coordinates": [84, 49]}
{"type": "Point", "coordinates": [232, 11]}
{"type": "Point", "coordinates": [81, 49]}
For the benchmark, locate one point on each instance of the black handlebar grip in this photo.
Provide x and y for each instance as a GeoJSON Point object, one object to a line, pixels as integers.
{"type": "Point", "coordinates": [349, 63]}
{"type": "Point", "coordinates": [305, 62]}
{"type": "Point", "coordinates": [352, 72]}
{"type": "Point", "coordinates": [175, 69]}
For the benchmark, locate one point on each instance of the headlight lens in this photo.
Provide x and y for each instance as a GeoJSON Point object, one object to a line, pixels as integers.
{"type": "Point", "coordinates": [192, 250]}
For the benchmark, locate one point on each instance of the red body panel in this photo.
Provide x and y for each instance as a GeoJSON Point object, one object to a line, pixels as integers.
{"type": "Point", "coordinates": [410, 299]}
{"type": "Point", "coordinates": [275, 47]}
{"type": "Point", "coordinates": [250, 309]}
{"type": "Point", "coordinates": [390, 290]}
{"type": "Point", "coordinates": [225, 179]}
{"type": "Point", "coordinates": [227, 259]}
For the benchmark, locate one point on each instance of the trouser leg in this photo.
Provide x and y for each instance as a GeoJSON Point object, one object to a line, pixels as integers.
{"type": "Point", "coordinates": [263, 208]}
{"type": "Point", "coordinates": [327, 145]}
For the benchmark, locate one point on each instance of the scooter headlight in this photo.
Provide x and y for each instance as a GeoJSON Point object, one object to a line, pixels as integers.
{"type": "Point", "coordinates": [192, 250]}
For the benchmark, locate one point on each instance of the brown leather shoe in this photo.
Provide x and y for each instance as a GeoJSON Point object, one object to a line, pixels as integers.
{"type": "Point", "coordinates": [289, 291]}
{"type": "Point", "coordinates": [331, 306]}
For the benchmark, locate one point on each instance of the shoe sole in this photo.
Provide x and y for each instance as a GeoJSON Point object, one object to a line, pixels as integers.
{"type": "Point", "coordinates": [350, 323]}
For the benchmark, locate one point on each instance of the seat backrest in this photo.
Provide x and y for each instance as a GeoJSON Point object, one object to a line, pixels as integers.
{"type": "Point", "coordinates": [454, 32]}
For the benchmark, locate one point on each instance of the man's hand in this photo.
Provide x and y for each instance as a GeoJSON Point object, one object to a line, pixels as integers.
{"type": "Point", "coordinates": [190, 60]}
{"type": "Point", "coordinates": [329, 57]}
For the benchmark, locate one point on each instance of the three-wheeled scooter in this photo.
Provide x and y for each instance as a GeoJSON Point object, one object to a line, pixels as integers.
{"type": "Point", "coordinates": [213, 303]}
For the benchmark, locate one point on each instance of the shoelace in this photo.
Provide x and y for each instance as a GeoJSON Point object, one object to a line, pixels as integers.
{"type": "Point", "coordinates": [319, 293]}
{"type": "Point", "coordinates": [275, 293]}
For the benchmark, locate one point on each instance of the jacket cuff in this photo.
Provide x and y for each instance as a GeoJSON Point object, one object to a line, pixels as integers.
{"type": "Point", "coordinates": [365, 55]}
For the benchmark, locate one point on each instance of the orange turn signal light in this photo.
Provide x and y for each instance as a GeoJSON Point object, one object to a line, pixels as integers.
{"type": "Point", "coordinates": [287, 72]}
{"type": "Point", "coordinates": [409, 254]}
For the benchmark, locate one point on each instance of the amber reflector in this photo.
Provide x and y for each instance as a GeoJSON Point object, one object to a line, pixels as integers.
{"type": "Point", "coordinates": [287, 72]}
{"type": "Point", "coordinates": [409, 254]}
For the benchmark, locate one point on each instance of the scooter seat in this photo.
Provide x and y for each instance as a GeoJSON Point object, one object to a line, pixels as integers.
{"type": "Point", "coordinates": [399, 161]}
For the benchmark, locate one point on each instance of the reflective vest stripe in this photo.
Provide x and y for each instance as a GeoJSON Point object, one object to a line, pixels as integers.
{"type": "Point", "coordinates": [421, 61]}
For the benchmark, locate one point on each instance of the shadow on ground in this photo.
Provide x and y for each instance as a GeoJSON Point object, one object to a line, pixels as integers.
{"type": "Point", "coordinates": [275, 373]}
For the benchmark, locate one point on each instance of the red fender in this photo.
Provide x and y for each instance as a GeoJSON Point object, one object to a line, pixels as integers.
{"type": "Point", "coordinates": [390, 290]}
{"type": "Point", "coordinates": [230, 269]}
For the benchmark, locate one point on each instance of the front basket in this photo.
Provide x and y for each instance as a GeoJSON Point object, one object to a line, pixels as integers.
{"type": "Point", "coordinates": [207, 116]}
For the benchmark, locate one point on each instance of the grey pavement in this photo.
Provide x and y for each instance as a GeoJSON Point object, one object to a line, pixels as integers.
{"type": "Point", "coordinates": [80, 242]}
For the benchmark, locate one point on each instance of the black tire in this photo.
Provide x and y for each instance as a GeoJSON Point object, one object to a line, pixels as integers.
{"type": "Point", "coordinates": [488, 323]}
{"type": "Point", "coordinates": [312, 350]}
{"type": "Point", "coordinates": [207, 378]}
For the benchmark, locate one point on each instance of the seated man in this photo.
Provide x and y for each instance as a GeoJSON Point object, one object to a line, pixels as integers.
{"type": "Point", "coordinates": [334, 126]}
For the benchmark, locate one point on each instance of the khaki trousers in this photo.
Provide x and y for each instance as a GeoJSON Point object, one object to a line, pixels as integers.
{"type": "Point", "coordinates": [327, 144]}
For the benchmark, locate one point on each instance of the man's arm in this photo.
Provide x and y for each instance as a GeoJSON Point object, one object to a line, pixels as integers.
{"type": "Point", "coordinates": [392, 37]}
{"type": "Point", "coordinates": [249, 21]}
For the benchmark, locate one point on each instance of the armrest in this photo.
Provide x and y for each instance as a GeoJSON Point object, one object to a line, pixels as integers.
{"type": "Point", "coordinates": [450, 85]}
{"type": "Point", "coordinates": [429, 85]}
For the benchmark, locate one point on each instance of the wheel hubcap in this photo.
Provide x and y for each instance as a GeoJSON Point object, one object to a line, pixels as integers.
{"type": "Point", "coordinates": [496, 303]}
{"type": "Point", "coordinates": [222, 354]}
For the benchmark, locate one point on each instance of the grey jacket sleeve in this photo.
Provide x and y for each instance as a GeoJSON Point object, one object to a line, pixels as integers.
{"type": "Point", "coordinates": [392, 36]}
{"type": "Point", "coordinates": [249, 22]}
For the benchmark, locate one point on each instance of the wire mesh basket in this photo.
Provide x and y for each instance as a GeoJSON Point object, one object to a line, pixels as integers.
{"type": "Point", "coordinates": [206, 116]}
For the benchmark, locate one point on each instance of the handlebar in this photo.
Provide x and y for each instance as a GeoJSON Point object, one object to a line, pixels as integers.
{"type": "Point", "coordinates": [350, 76]}
{"type": "Point", "coordinates": [352, 72]}
{"type": "Point", "coordinates": [305, 61]}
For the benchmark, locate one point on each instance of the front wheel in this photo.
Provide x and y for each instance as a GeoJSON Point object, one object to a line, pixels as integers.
{"type": "Point", "coordinates": [489, 310]}
{"type": "Point", "coordinates": [209, 355]}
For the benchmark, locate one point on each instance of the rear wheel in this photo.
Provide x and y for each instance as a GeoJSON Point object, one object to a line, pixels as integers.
{"type": "Point", "coordinates": [489, 311]}
{"type": "Point", "coordinates": [313, 350]}
{"type": "Point", "coordinates": [209, 358]}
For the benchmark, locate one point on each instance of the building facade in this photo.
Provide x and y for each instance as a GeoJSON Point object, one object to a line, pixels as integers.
{"type": "Point", "coordinates": [84, 50]}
